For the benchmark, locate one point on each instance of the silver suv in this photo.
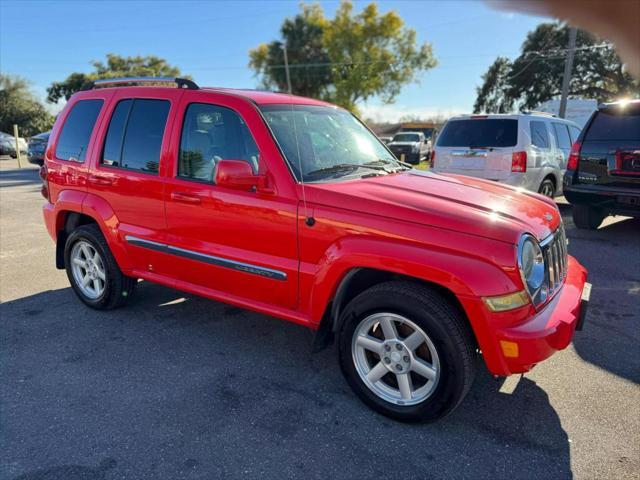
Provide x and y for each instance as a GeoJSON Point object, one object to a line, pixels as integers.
{"type": "Point", "coordinates": [528, 150]}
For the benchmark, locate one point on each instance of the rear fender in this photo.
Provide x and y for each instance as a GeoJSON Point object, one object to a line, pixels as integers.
{"type": "Point", "coordinates": [97, 208]}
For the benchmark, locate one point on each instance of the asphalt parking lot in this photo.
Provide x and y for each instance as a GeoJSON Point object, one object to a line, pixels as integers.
{"type": "Point", "coordinates": [175, 386]}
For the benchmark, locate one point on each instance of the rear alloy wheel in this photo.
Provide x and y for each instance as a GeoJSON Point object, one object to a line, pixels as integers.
{"type": "Point", "coordinates": [88, 269]}
{"type": "Point", "coordinates": [547, 188]}
{"type": "Point", "coordinates": [93, 272]}
{"type": "Point", "coordinates": [586, 217]}
{"type": "Point", "coordinates": [406, 351]}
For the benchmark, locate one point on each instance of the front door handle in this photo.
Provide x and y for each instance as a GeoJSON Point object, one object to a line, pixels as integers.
{"type": "Point", "coordinates": [100, 180]}
{"type": "Point", "coordinates": [185, 198]}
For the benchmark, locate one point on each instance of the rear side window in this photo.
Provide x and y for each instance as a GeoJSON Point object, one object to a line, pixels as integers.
{"type": "Point", "coordinates": [134, 137]}
{"type": "Point", "coordinates": [492, 132]}
{"type": "Point", "coordinates": [76, 132]}
{"type": "Point", "coordinates": [562, 135]}
{"type": "Point", "coordinates": [539, 134]}
{"type": "Point", "coordinates": [615, 125]}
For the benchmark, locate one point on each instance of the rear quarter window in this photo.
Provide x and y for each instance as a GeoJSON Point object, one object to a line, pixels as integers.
{"type": "Point", "coordinates": [562, 135]}
{"type": "Point", "coordinates": [490, 132]}
{"type": "Point", "coordinates": [76, 132]}
{"type": "Point", "coordinates": [615, 125]}
{"type": "Point", "coordinates": [575, 133]}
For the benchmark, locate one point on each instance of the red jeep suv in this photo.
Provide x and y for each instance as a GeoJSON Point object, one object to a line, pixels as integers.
{"type": "Point", "coordinates": [291, 207]}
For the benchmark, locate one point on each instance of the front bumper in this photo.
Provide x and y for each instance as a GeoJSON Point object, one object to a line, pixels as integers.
{"type": "Point", "coordinates": [516, 348]}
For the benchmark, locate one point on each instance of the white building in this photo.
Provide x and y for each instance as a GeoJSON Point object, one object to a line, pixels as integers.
{"type": "Point", "coordinates": [578, 110]}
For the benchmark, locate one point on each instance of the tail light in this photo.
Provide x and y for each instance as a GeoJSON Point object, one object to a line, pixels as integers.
{"type": "Point", "coordinates": [433, 158]}
{"type": "Point", "coordinates": [44, 191]}
{"type": "Point", "coordinates": [574, 156]}
{"type": "Point", "coordinates": [519, 162]}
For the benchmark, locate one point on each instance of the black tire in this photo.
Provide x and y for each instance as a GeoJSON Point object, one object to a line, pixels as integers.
{"type": "Point", "coordinates": [118, 287]}
{"type": "Point", "coordinates": [443, 323]}
{"type": "Point", "coordinates": [586, 217]}
{"type": "Point", "coordinates": [547, 188]}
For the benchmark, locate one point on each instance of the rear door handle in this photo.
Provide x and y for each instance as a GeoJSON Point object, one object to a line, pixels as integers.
{"type": "Point", "coordinates": [100, 180]}
{"type": "Point", "coordinates": [185, 198]}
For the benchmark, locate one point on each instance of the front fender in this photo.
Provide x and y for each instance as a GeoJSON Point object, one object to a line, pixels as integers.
{"type": "Point", "coordinates": [464, 273]}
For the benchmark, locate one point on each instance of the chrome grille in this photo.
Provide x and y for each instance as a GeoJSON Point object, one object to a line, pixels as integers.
{"type": "Point", "coordinates": [554, 249]}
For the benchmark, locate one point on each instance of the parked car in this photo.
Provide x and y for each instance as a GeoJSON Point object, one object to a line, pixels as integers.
{"type": "Point", "coordinates": [37, 146]}
{"type": "Point", "coordinates": [23, 145]}
{"type": "Point", "coordinates": [385, 139]}
{"type": "Point", "coordinates": [527, 150]}
{"type": "Point", "coordinates": [410, 147]}
{"type": "Point", "coordinates": [291, 207]}
{"type": "Point", "coordinates": [7, 144]}
{"type": "Point", "coordinates": [603, 175]}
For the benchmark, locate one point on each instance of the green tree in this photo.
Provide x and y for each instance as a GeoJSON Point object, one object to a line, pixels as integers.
{"type": "Point", "coordinates": [373, 55]}
{"type": "Point", "coordinates": [536, 75]}
{"type": "Point", "coordinates": [492, 95]}
{"type": "Point", "coordinates": [347, 59]}
{"type": "Point", "coordinates": [303, 37]}
{"type": "Point", "coordinates": [19, 106]}
{"type": "Point", "coordinates": [115, 66]}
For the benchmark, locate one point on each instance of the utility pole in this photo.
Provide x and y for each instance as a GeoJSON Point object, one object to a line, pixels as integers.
{"type": "Point", "coordinates": [568, 67]}
{"type": "Point", "coordinates": [286, 68]}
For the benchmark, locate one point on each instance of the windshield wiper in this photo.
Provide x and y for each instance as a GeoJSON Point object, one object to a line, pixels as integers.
{"type": "Point", "coordinates": [340, 167]}
{"type": "Point", "coordinates": [384, 161]}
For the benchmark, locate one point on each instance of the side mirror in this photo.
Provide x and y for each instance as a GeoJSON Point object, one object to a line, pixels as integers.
{"type": "Point", "coordinates": [238, 175]}
{"type": "Point", "coordinates": [235, 174]}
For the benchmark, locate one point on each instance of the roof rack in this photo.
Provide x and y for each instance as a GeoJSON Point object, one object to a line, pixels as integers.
{"type": "Point", "coordinates": [536, 112]}
{"type": "Point", "coordinates": [180, 82]}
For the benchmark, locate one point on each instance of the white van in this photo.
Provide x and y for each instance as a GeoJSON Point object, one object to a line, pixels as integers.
{"type": "Point", "coordinates": [528, 150]}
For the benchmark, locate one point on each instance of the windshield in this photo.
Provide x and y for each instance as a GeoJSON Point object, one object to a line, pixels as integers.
{"type": "Point", "coordinates": [479, 133]}
{"type": "Point", "coordinates": [326, 142]}
{"type": "Point", "coordinates": [407, 137]}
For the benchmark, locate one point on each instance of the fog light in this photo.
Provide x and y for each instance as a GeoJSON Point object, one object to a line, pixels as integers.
{"type": "Point", "coordinates": [509, 349]}
{"type": "Point", "coordinates": [506, 302]}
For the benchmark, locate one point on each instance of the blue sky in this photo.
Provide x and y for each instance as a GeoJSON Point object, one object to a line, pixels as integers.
{"type": "Point", "coordinates": [44, 41]}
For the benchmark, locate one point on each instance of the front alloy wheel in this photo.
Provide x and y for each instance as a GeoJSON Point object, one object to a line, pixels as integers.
{"type": "Point", "coordinates": [395, 359]}
{"type": "Point", "coordinates": [406, 350]}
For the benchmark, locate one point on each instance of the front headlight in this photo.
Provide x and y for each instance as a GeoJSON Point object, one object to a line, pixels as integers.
{"type": "Point", "coordinates": [415, 148]}
{"type": "Point", "coordinates": [532, 271]}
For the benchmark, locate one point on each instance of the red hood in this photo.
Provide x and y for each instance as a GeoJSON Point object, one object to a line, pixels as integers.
{"type": "Point", "coordinates": [453, 202]}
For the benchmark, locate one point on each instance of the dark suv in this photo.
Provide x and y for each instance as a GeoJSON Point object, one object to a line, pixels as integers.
{"type": "Point", "coordinates": [603, 172]}
{"type": "Point", "coordinates": [37, 146]}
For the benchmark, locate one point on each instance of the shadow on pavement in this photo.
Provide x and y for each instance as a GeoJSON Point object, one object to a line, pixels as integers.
{"type": "Point", "coordinates": [19, 176]}
{"type": "Point", "coordinates": [173, 386]}
{"type": "Point", "coordinates": [611, 334]}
